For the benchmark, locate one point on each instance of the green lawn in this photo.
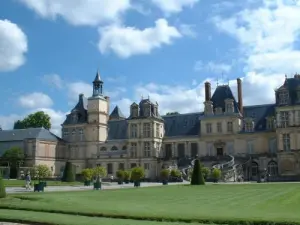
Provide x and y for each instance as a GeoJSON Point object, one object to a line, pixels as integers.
{"type": "Point", "coordinates": [215, 203]}
{"type": "Point", "coordinates": [61, 219]}
{"type": "Point", "coordinates": [21, 183]}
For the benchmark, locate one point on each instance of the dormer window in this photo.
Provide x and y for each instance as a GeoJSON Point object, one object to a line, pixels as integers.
{"type": "Point", "coordinates": [229, 107]}
{"type": "Point", "coordinates": [208, 108]}
{"type": "Point", "coordinates": [147, 110]}
{"type": "Point", "coordinates": [249, 125]}
{"type": "Point", "coordinates": [219, 111]}
{"type": "Point", "coordinates": [270, 123]}
{"type": "Point", "coordinates": [134, 110]}
{"type": "Point", "coordinates": [73, 132]}
{"type": "Point", "coordinates": [74, 117]}
{"type": "Point", "coordinates": [283, 97]}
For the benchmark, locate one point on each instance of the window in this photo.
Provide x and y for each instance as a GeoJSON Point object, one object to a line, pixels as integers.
{"type": "Point", "coordinates": [219, 127]}
{"type": "Point", "coordinates": [81, 134]}
{"type": "Point", "coordinates": [229, 127]}
{"type": "Point", "coordinates": [254, 169]}
{"type": "Point", "coordinates": [147, 166]}
{"type": "Point", "coordinates": [250, 147]}
{"type": "Point", "coordinates": [218, 110]}
{"type": "Point", "coordinates": [230, 150]}
{"type": "Point", "coordinates": [181, 150]}
{"type": "Point", "coordinates": [270, 123]}
{"type": "Point", "coordinates": [134, 111]}
{"type": "Point", "coordinates": [133, 130]}
{"type": "Point", "coordinates": [73, 132]}
{"type": "Point", "coordinates": [229, 107]}
{"type": "Point", "coordinates": [110, 168]}
{"type": "Point", "coordinates": [114, 148]}
{"type": "Point", "coordinates": [103, 149]}
{"type": "Point", "coordinates": [272, 145]}
{"type": "Point", "coordinates": [286, 142]}
{"type": "Point", "coordinates": [168, 151]}
{"type": "Point", "coordinates": [283, 98]}
{"type": "Point", "coordinates": [157, 131]}
{"type": "Point", "coordinates": [147, 151]}
{"type": "Point", "coordinates": [146, 130]}
{"type": "Point", "coordinates": [284, 119]}
{"type": "Point", "coordinates": [121, 166]}
{"type": "Point", "coordinates": [74, 117]}
{"type": "Point", "coordinates": [194, 150]}
{"type": "Point", "coordinates": [147, 110]}
{"type": "Point", "coordinates": [272, 168]}
{"type": "Point", "coordinates": [98, 165]}
{"type": "Point", "coordinates": [65, 132]}
{"type": "Point", "coordinates": [249, 126]}
{"type": "Point", "coordinates": [209, 149]}
{"type": "Point", "coordinates": [208, 128]}
{"type": "Point", "coordinates": [133, 152]}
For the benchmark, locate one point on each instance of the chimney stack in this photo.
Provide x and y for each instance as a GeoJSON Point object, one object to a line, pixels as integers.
{"type": "Point", "coordinates": [207, 91]}
{"type": "Point", "coordinates": [240, 95]}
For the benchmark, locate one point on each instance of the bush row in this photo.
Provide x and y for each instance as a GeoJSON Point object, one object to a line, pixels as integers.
{"type": "Point", "coordinates": [159, 219]}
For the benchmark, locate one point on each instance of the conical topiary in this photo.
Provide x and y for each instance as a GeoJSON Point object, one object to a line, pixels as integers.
{"type": "Point", "coordinates": [197, 177]}
{"type": "Point", "coordinates": [68, 175]}
{"type": "Point", "coordinates": [2, 188]}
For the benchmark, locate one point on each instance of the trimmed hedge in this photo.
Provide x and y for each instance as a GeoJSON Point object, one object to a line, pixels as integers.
{"type": "Point", "coordinates": [197, 177]}
{"type": "Point", "coordinates": [158, 219]}
{"type": "Point", "coordinates": [68, 175]}
{"type": "Point", "coordinates": [2, 188]}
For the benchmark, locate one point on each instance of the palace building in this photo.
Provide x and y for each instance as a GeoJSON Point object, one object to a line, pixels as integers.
{"type": "Point", "coordinates": [256, 137]}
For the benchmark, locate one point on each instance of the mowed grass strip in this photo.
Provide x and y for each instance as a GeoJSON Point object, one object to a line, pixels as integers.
{"type": "Point", "coordinates": [21, 183]}
{"type": "Point", "coordinates": [43, 218]}
{"type": "Point", "coordinates": [210, 203]}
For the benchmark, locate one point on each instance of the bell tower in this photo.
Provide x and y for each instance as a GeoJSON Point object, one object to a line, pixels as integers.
{"type": "Point", "coordinates": [98, 109]}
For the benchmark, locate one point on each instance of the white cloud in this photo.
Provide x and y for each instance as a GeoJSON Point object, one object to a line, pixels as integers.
{"type": "Point", "coordinates": [119, 39]}
{"type": "Point", "coordinates": [35, 100]}
{"type": "Point", "coordinates": [76, 88]}
{"type": "Point", "coordinates": [267, 36]}
{"type": "Point", "coordinates": [80, 12]}
{"type": "Point", "coordinates": [188, 30]}
{"type": "Point", "coordinates": [13, 46]}
{"type": "Point", "coordinates": [212, 67]}
{"type": "Point", "coordinates": [173, 6]}
{"type": "Point", "coordinates": [54, 80]}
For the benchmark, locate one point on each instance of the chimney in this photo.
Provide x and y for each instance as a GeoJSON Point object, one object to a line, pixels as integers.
{"type": "Point", "coordinates": [207, 91]}
{"type": "Point", "coordinates": [81, 97]}
{"type": "Point", "coordinates": [240, 95]}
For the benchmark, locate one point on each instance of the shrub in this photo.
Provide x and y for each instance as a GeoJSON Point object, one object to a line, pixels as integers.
{"type": "Point", "coordinates": [87, 174]}
{"type": "Point", "coordinates": [2, 188]}
{"type": "Point", "coordinates": [69, 175]}
{"type": "Point", "coordinates": [137, 173]}
{"type": "Point", "coordinates": [42, 171]}
{"type": "Point", "coordinates": [120, 174]}
{"type": "Point", "coordinates": [175, 173]}
{"type": "Point", "coordinates": [205, 172]}
{"type": "Point", "coordinates": [216, 174]}
{"type": "Point", "coordinates": [127, 175]}
{"type": "Point", "coordinates": [197, 177]}
{"type": "Point", "coordinates": [165, 173]}
{"type": "Point", "coordinates": [99, 172]}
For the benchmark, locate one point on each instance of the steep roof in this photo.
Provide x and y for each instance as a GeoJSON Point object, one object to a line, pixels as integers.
{"type": "Point", "coordinates": [222, 93]}
{"type": "Point", "coordinates": [292, 85]}
{"type": "Point", "coordinates": [117, 129]}
{"type": "Point", "coordinates": [80, 110]}
{"type": "Point", "coordinates": [116, 114]}
{"type": "Point", "coordinates": [30, 133]}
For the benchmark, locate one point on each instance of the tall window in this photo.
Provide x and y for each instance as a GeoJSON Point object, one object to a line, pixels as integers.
{"type": "Point", "coordinates": [249, 126]}
{"type": "Point", "coordinates": [272, 145]}
{"type": "Point", "coordinates": [147, 151]}
{"type": "Point", "coordinates": [209, 149]}
{"type": "Point", "coordinates": [273, 168]}
{"type": "Point", "coordinates": [284, 119]}
{"type": "Point", "coordinates": [194, 149]}
{"type": "Point", "coordinates": [254, 169]}
{"type": "Point", "coordinates": [208, 128]}
{"type": "Point", "coordinates": [146, 130]}
{"type": "Point", "coordinates": [286, 142]}
{"type": "Point", "coordinates": [270, 123]}
{"type": "Point", "coordinates": [133, 130]}
{"type": "Point", "coordinates": [147, 166]}
{"type": "Point", "coordinates": [219, 127]}
{"type": "Point", "coordinates": [250, 147]}
{"type": "Point", "coordinates": [157, 131]}
{"type": "Point", "coordinates": [133, 152]}
{"type": "Point", "coordinates": [110, 168]}
{"type": "Point", "coordinates": [229, 127]}
{"type": "Point", "coordinates": [229, 107]}
{"type": "Point", "coordinates": [283, 98]}
{"type": "Point", "coordinates": [81, 134]}
{"type": "Point", "coordinates": [181, 150]}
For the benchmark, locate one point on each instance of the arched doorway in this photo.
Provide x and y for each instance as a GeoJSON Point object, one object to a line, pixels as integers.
{"type": "Point", "coordinates": [273, 168]}
{"type": "Point", "coordinates": [254, 170]}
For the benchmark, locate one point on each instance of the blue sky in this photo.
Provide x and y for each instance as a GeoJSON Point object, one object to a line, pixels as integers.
{"type": "Point", "coordinates": [50, 51]}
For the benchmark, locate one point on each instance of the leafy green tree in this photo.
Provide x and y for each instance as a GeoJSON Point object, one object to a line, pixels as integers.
{"type": "Point", "coordinates": [69, 174]}
{"type": "Point", "coordinates": [205, 172]}
{"type": "Point", "coordinates": [34, 120]}
{"type": "Point", "coordinates": [14, 156]}
{"type": "Point", "coordinates": [165, 173]}
{"type": "Point", "coordinates": [2, 188]}
{"type": "Point", "coordinates": [197, 177]}
{"type": "Point", "coordinates": [175, 173]}
{"type": "Point", "coordinates": [127, 175]}
{"type": "Point", "coordinates": [120, 174]}
{"type": "Point", "coordinates": [216, 174]}
{"type": "Point", "coordinates": [99, 172]}
{"type": "Point", "coordinates": [87, 174]}
{"type": "Point", "coordinates": [42, 171]}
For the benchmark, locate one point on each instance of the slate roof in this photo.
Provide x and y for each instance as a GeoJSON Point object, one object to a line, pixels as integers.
{"type": "Point", "coordinates": [117, 129]}
{"type": "Point", "coordinates": [80, 110]}
{"type": "Point", "coordinates": [141, 106]}
{"type": "Point", "coordinates": [222, 93]}
{"type": "Point", "coordinates": [116, 114]}
{"type": "Point", "coordinates": [292, 85]}
{"type": "Point", "coordinates": [30, 133]}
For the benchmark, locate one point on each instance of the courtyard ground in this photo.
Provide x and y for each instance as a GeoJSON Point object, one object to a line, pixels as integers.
{"type": "Point", "coordinates": [223, 204]}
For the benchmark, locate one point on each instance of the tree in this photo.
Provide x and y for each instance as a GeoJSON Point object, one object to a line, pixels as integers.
{"type": "Point", "coordinates": [2, 188]}
{"type": "Point", "coordinates": [99, 172]}
{"type": "Point", "coordinates": [137, 173]}
{"type": "Point", "coordinates": [175, 173]}
{"type": "Point", "coordinates": [120, 174]}
{"type": "Point", "coordinates": [42, 171]}
{"type": "Point", "coordinates": [87, 174]}
{"type": "Point", "coordinates": [14, 156]}
{"type": "Point", "coordinates": [127, 175]}
{"type": "Point", "coordinates": [205, 172]}
{"type": "Point", "coordinates": [68, 175]}
{"type": "Point", "coordinates": [216, 174]}
{"type": "Point", "coordinates": [34, 120]}
{"type": "Point", "coordinates": [197, 177]}
{"type": "Point", "coordinates": [164, 174]}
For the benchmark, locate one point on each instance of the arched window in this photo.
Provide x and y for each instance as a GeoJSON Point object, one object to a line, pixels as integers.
{"type": "Point", "coordinates": [114, 148]}
{"type": "Point", "coordinates": [124, 148]}
{"type": "Point", "coordinates": [254, 169]}
{"type": "Point", "coordinates": [103, 149]}
{"type": "Point", "coordinates": [272, 168]}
